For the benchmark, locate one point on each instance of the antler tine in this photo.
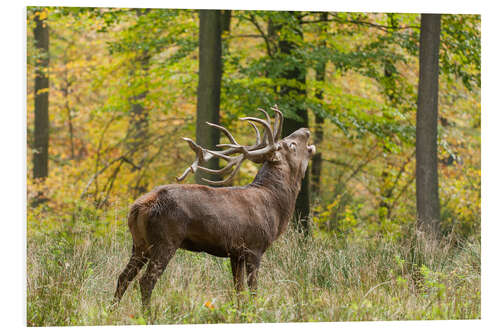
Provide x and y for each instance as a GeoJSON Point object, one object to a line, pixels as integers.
{"type": "Point", "coordinates": [268, 121]}
{"type": "Point", "coordinates": [266, 125]}
{"type": "Point", "coordinates": [202, 155]}
{"type": "Point", "coordinates": [228, 145]}
{"type": "Point", "coordinates": [257, 144]}
{"type": "Point", "coordinates": [199, 150]}
{"type": "Point", "coordinates": [239, 160]}
{"type": "Point", "coordinates": [223, 170]}
{"type": "Point", "coordinates": [225, 131]}
{"type": "Point", "coordinates": [238, 149]}
{"type": "Point", "coordinates": [268, 118]}
{"type": "Point", "coordinates": [278, 122]}
{"type": "Point", "coordinates": [186, 172]}
{"type": "Point", "coordinates": [235, 145]}
{"type": "Point", "coordinates": [257, 133]}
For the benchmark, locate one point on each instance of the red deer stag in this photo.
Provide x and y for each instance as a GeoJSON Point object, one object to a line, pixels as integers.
{"type": "Point", "coordinates": [237, 222]}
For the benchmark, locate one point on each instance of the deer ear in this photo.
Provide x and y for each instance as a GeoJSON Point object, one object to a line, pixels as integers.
{"type": "Point", "coordinates": [292, 146]}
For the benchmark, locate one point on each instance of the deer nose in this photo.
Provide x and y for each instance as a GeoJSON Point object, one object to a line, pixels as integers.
{"type": "Point", "coordinates": [307, 131]}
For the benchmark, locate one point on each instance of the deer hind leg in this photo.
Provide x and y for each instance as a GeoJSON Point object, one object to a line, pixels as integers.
{"type": "Point", "coordinates": [133, 267]}
{"type": "Point", "coordinates": [160, 257]}
{"type": "Point", "coordinates": [252, 263]}
{"type": "Point", "coordinates": [238, 269]}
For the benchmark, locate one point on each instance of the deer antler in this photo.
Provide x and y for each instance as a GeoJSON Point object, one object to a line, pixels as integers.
{"type": "Point", "coordinates": [256, 153]}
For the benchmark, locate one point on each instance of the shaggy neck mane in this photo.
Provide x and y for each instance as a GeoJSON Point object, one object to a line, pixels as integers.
{"type": "Point", "coordinates": [283, 186]}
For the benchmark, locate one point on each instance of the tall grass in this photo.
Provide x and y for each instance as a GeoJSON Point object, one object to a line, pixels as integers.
{"type": "Point", "coordinates": [71, 281]}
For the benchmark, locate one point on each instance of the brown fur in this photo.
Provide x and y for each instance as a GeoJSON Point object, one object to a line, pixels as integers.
{"type": "Point", "coordinates": [235, 222]}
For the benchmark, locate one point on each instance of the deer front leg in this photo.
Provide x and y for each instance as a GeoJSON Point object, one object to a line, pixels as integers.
{"type": "Point", "coordinates": [238, 269]}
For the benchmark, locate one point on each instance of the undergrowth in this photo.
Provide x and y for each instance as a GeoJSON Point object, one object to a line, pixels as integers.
{"type": "Point", "coordinates": [71, 277]}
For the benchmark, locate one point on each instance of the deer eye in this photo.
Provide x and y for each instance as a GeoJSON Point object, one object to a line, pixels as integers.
{"type": "Point", "coordinates": [292, 146]}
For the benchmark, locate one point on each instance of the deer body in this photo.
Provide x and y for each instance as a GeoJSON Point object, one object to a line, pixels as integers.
{"type": "Point", "coordinates": [235, 222]}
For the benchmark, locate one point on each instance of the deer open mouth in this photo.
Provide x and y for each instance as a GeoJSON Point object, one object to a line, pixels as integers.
{"type": "Point", "coordinates": [311, 149]}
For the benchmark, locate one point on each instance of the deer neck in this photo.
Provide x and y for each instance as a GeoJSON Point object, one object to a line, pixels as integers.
{"type": "Point", "coordinates": [283, 187]}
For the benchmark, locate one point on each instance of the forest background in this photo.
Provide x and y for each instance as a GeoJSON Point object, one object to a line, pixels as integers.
{"type": "Point", "coordinates": [122, 93]}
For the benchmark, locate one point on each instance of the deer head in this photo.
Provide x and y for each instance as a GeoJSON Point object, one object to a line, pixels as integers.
{"type": "Point", "coordinates": [295, 152]}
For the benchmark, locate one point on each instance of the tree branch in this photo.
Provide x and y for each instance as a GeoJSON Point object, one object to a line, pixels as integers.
{"type": "Point", "coordinates": [337, 162]}
{"type": "Point", "coordinates": [385, 28]}
{"type": "Point", "coordinates": [263, 34]}
{"type": "Point", "coordinates": [97, 173]}
{"type": "Point", "coordinates": [243, 36]}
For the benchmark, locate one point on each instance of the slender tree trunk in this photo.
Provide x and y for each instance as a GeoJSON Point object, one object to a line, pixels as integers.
{"type": "Point", "coordinates": [386, 189]}
{"type": "Point", "coordinates": [138, 130]}
{"type": "Point", "coordinates": [65, 90]}
{"type": "Point", "coordinates": [41, 140]}
{"type": "Point", "coordinates": [317, 159]}
{"type": "Point", "coordinates": [428, 214]}
{"type": "Point", "coordinates": [139, 116]}
{"type": "Point", "coordinates": [70, 123]}
{"type": "Point", "coordinates": [226, 21]}
{"type": "Point", "coordinates": [386, 179]}
{"type": "Point", "coordinates": [209, 83]}
{"type": "Point", "coordinates": [302, 205]}
{"type": "Point", "coordinates": [225, 29]}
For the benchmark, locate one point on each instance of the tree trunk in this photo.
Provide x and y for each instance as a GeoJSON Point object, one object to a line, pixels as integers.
{"type": "Point", "coordinates": [386, 182]}
{"type": "Point", "coordinates": [317, 159]}
{"type": "Point", "coordinates": [386, 179]}
{"type": "Point", "coordinates": [428, 214]}
{"type": "Point", "coordinates": [138, 130]}
{"type": "Point", "coordinates": [139, 124]}
{"type": "Point", "coordinates": [65, 90]}
{"type": "Point", "coordinates": [137, 143]}
{"type": "Point", "coordinates": [41, 140]}
{"type": "Point", "coordinates": [290, 125]}
{"type": "Point", "coordinates": [225, 29]}
{"type": "Point", "coordinates": [209, 82]}
{"type": "Point", "coordinates": [226, 21]}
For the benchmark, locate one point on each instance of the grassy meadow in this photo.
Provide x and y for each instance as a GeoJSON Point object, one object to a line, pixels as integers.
{"type": "Point", "coordinates": [71, 281]}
